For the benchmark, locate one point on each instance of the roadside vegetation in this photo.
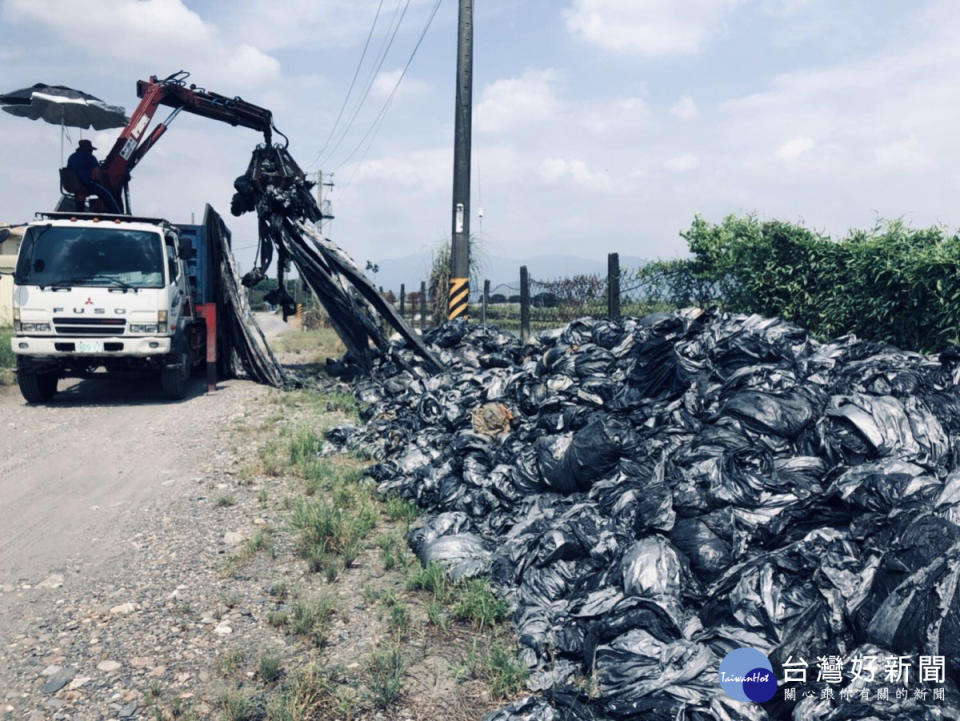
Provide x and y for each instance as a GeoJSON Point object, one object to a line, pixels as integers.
{"type": "Point", "coordinates": [7, 360]}
{"type": "Point", "coordinates": [874, 283]}
{"type": "Point", "coordinates": [360, 627]}
{"type": "Point", "coordinates": [308, 346]}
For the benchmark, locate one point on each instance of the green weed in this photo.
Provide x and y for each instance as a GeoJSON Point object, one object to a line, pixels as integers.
{"type": "Point", "coordinates": [224, 500]}
{"type": "Point", "coordinates": [437, 617]}
{"type": "Point", "coordinates": [505, 671]}
{"type": "Point", "coordinates": [385, 676]}
{"type": "Point", "coordinates": [228, 664]}
{"type": "Point", "coordinates": [477, 604]}
{"type": "Point", "coordinates": [399, 509]}
{"type": "Point", "coordinates": [269, 668]}
{"type": "Point", "coordinates": [235, 705]}
{"type": "Point", "coordinates": [399, 619]}
{"type": "Point", "coordinates": [431, 578]}
{"type": "Point", "coordinates": [311, 617]}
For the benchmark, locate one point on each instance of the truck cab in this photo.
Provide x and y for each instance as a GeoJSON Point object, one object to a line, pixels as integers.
{"type": "Point", "coordinates": [103, 294]}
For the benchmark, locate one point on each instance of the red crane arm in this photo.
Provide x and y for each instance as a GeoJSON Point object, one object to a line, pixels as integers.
{"type": "Point", "coordinates": [133, 143]}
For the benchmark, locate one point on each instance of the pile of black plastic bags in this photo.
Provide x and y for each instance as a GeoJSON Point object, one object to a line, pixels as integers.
{"type": "Point", "coordinates": [654, 493]}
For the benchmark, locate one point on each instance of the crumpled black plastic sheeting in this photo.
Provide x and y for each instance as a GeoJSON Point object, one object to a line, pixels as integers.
{"type": "Point", "coordinates": [277, 189]}
{"type": "Point", "coordinates": [676, 486]}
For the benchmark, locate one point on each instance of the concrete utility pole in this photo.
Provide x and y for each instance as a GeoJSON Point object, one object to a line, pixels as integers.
{"type": "Point", "coordinates": [325, 213]}
{"type": "Point", "coordinates": [460, 249]}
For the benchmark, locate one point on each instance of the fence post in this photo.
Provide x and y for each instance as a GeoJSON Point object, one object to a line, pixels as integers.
{"type": "Point", "coordinates": [486, 299]}
{"type": "Point", "coordinates": [524, 304]}
{"type": "Point", "coordinates": [402, 300]}
{"type": "Point", "coordinates": [423, 305]}
{"type": "Point", "coordinates": [613, 286]}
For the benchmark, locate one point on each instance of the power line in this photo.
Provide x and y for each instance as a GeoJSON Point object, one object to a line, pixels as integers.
{"type": "Point", "coordinates": [374, 128]}
{"type": "Point", "coordinates": [373, 76]}
{"type": "Point", "coordinates": [356, 74]}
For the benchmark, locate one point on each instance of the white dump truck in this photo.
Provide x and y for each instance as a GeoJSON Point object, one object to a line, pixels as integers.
{"type": "Point", "coordinates": [95, 294]}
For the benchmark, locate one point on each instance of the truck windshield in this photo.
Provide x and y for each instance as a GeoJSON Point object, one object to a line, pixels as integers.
{"type": "Point", "coordinates": [55, 255]}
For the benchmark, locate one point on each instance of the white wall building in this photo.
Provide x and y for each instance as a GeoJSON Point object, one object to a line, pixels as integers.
{"type": "Point", "coordinates": [8, 259]}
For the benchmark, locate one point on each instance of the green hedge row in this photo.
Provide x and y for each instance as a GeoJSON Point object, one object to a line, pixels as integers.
{"type": "Point", "coordinates": [891, 284]}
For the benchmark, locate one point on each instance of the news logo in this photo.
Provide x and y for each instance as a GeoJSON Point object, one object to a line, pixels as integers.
{"type": "Point", "coordinates": [747, 675]}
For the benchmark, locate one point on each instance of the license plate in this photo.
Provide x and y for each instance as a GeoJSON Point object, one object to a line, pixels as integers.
{"type": "Point", "coordinates": [90, 346]}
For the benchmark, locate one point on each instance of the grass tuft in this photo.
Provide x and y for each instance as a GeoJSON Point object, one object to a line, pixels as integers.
{"type": "Point", "coordinates": [431, 578]}
{"type": "Point", "coordinates": [385, 676]}
{"type": "Point", "coordinates": [437, 617]}
{"type": "Point", "coordinates": [235, 705]}
{"type": "Point", "coordinates": [311, 618]}
{"type": "Point", "coordinates": [269, 668]}
{"type": "Point", "coordinates": [477, 604]}
{"type": "Point", "coordinates": [224, 500]}
{"type": "Point", "coordinates": [230, 662]}
{"type": "Point", "coordinates": [399, 509]}
{"type": "Point", "coordinates": [505, 671]}
{"type": "Point", "coordinates": [399, 619]}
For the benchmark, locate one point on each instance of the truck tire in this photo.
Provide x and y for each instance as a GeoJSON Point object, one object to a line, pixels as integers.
{"type": "Point", "coordinates": [37, 387]}
{"type": "Point", "coordinates": [174, 380]}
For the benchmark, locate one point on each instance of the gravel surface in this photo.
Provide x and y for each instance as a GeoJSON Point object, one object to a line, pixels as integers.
{"type": "Point", "coordinates": [114, 532]}
{"type": "Point", "coordinates": [146, 551]}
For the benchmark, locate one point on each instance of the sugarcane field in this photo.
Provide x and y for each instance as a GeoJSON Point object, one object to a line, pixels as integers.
{"type": "Point", "coordinates": [435, 360]}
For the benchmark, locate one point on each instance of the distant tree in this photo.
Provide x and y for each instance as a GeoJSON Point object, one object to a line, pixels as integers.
{"type": "Point", "coordinates": [544, 300]}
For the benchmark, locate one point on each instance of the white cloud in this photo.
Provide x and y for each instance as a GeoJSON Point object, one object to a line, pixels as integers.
{"type": "Point", "coordinates": [648, 27]}
{"type": "Point", "coordinates": [907, 154]}
{"type": "Point", "coordinates": [619, 115]}
{"type": "Point", "coordinates": [513, 103]}
{"type": "Point", "coordinates": [421, 170]}
{"type": "Point", "coordinates": [151, 33]}
{"type": "Point", "coordinates": [682, 163]}
{"type": "Point", "coordinates": [794, 148]}
{"type": "Point", "coordinates": [684, 108]}
{"type": "Point", "coordinates": [386, 80]}
{"type": "Point", "coordinates": [558, 170]}
{"type": "Point", "coordinates": [312, 23]}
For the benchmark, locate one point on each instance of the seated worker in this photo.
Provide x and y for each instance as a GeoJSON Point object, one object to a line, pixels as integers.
{"type": "Point", "coordinates": [83, 163]}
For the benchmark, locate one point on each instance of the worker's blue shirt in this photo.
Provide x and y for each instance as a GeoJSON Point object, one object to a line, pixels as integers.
{"type": "Point", "coordinates": [83, 164]}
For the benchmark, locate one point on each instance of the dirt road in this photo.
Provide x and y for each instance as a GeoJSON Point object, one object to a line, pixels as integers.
{"type": "Point", "coordinates": [98, 491]}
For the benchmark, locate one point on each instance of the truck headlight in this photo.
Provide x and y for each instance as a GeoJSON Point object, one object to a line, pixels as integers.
{"type": "Point", "coordinates": [34, 327]}
{"type": "Point", "coordinates": [151, 328]}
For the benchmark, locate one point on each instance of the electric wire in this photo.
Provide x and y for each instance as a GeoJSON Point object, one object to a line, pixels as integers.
{"type": "Point", "coordinates": [374, 128]}
{"type": "Point", "coordinates": [388, 43]}
{"type": "Point", "coordinates": [356, 74]}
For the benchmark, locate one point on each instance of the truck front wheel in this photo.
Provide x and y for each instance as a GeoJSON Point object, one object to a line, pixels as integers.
{"type": "Point", "coordinates": [37, 387]}
{"type": "Point", "coordinates": [173, 379]}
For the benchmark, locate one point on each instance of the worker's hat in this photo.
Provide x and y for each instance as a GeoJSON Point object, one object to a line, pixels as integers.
{"type": "Point", "coordinates": [85, 145]}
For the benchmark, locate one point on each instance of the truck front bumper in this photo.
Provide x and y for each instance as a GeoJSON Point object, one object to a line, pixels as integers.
{"type": "Point", "coordinates": [66, 347]}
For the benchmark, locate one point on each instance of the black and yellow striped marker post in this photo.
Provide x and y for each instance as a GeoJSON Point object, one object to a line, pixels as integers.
{"type": "Point", "coordinates": [459, 297]}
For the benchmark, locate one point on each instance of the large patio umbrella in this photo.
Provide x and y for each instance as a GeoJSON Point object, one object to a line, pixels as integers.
{"type": "Point", "coordinates": [63, 106]}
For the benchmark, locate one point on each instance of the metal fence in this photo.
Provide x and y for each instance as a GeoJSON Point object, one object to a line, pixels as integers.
{"type": "Point", "coordinates": [530, 305]}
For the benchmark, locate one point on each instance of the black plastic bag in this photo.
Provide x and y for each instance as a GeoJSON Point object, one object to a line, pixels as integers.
{"type": "Point", "coordinates": [570, 463]}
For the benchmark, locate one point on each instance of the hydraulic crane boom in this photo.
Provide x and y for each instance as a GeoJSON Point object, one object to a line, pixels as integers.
{"type": "Point", "coordinates": [133, 142]}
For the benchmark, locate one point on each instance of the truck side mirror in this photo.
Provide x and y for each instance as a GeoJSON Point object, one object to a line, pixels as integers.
{"type": "Point", "coordinates": [4, 234]}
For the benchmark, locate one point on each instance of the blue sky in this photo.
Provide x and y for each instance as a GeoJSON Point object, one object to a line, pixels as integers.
{"type": "Point", "coordinates": [599, 125]}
